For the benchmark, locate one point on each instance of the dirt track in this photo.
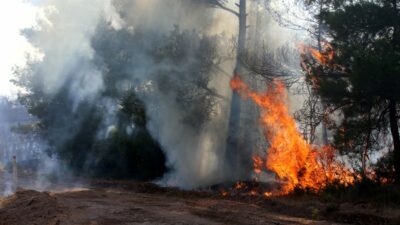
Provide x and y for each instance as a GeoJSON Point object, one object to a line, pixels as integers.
{"type": "Point", "coordinates": [109, 207]}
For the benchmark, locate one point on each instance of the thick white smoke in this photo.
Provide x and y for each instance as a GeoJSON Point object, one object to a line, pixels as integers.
{"type": "Point", "coordinates": [64, 35]}
{"type": "Point", "coordinates": [59, 34]}
{"type": "Point", "coordinates": [64, 40]}
{"type": "Point", "coordinates": [14, 16]}
{"type": "Point", "coordinates": [196, 157]}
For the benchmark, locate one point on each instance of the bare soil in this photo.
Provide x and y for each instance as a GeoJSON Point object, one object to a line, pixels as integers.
{"type": "Point", "coordinates": [142, 203]}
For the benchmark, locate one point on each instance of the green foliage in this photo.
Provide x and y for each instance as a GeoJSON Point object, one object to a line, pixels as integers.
{"type": "Point", "coordinates": [384, 169]}
{"type": "Point", "coordinates": [181, 63]}
{"type": "Point", "coordinates": [127, 155]}
{"type": "Point", "coordinates": [107, 136]}
{"type": "Point", "coordinates": [194, 57]}
{"type": "Point", "coordinates": [133, 109]}
{"type": "Point", "coordinates": [364, 76]}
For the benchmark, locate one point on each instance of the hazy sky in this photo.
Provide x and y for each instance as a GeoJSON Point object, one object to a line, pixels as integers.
{"type": "Point", "coordinates": [14, 16]}
{"type": "Point", "coordinates": [18, 14]}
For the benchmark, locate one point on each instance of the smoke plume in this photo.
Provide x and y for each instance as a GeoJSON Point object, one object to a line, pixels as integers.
{"type": "Point", "coordinates": [66, 35]}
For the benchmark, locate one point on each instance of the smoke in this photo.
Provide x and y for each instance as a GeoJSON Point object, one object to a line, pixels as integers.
{"type": "Point", "coordinates": [163, 15]}
{"type": "Point", "coordinates": [56, 46]}
{"type": "Point", "coordinates": [194, 155]}
{"type": "Point", "coordinates": [13, 45]}
{"type": "Point", "coordinates": [64, 39]}
{"type": "Point", "coordinates": [70, 63]}
{"type": "Point", "coordinates": [34, 167]}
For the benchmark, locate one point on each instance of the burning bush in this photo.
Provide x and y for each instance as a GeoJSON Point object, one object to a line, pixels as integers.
{"type": "Point", "coordinates": [289, 156]}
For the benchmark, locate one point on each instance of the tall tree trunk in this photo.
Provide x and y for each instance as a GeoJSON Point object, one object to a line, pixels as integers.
{"type": "Point", "coordinates": [233, 142]}
{"type": "Point", "coordinates": [364, 154]}
{"type": "Point", "coordinates": [394, 128]}
{"type": "Point", "coordinates": [324, 119]}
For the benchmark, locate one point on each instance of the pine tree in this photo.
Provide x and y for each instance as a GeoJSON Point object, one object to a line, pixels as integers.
{"type": "Point", "coordinates": [363, 78]}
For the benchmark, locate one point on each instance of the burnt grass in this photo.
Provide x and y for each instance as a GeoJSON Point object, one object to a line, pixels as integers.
{"type": "Point", "coordinates": [363, 203]}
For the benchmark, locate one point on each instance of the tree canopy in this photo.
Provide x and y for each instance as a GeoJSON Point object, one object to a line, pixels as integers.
{"type": "Point", "coordinates": [362, 78]}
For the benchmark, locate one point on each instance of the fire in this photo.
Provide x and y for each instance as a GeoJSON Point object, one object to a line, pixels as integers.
{"type": "Point", "coordinates": [224, 193]}
{"type": "Point", "coordinates": [253, 193]}
{"type": "Point", "coordinates": [257, 164]}
{"type": "Point", "coordinates": [239, 185]}
{"type": "Point", "coordinates": [290, 157]}
{"type": "Point", "coordinates": [267, 194]}
{"type": "Point", "coordinates": [324, 57]}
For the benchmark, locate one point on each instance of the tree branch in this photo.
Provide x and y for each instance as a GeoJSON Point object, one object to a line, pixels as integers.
{"type": "Point", "coordinates": [221, 4]}
{"type": "Point", "coordinates": [229, 10]}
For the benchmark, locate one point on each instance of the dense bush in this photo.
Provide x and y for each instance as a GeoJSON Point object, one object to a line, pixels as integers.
{"type": "Point", "coordinates": [106, 136]}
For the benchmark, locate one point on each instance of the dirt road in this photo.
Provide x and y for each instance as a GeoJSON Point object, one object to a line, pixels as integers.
{"type": "Point", "coordinates": [123, 207]}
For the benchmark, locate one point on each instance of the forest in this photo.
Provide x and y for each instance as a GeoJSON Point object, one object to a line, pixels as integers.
{"type": "Point", "coordinates": [288, 106]}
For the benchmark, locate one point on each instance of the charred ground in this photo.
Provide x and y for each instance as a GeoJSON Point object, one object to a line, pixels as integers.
{"type": "Point", "coordinates": [126, 202]}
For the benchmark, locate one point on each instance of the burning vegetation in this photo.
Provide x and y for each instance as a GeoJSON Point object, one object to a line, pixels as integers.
{"type": "Point", "coordinates": [155, 91]}
{"type": "Point", "coordinates": [324, 57]}
{"type": "Point", "coordinates": [295, 162]}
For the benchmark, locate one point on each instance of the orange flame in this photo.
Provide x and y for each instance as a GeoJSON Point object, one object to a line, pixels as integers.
{"type": "Point", "coordinates": [224, 193]}
{"type": "Point", "coordinates": [290, 157]}
{"type": "Point", "coordinates": [239, 185]}
{"type": "Point", "coordinates": [253, 193]}
{"type": "Point", "coordinates": [257, 164]}
{"type": "Point", "coordinates": [324, 57]}
{"type": "Point", "coordinates": [267, 194]}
